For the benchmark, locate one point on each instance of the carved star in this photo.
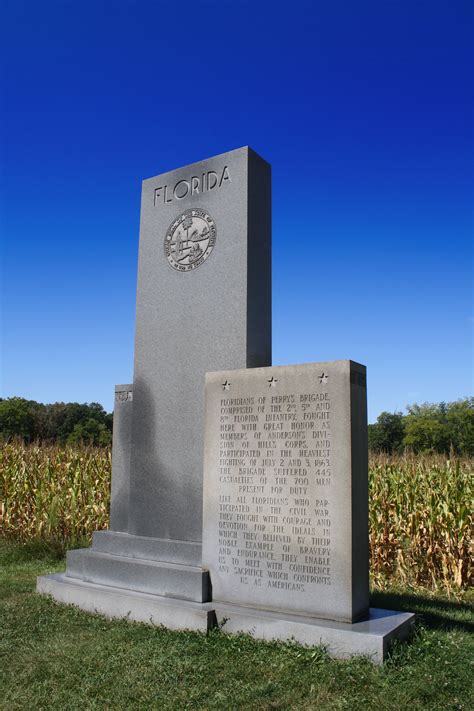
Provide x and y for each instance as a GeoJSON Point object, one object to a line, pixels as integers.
{"type": "Point", "coordinates": [323, 378]}
{"type": "Point", "coordinates": [272, 382]}
{"type": "Point", "coordinates": [226, 385]}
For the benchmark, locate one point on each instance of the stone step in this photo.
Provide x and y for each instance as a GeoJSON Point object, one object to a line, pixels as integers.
{"type": "Point", "coordinates": [147, 548]}
{"type": "Point", "coordinates": [130, 604]}
{"type": "Point", "coordinates": [163, 578]}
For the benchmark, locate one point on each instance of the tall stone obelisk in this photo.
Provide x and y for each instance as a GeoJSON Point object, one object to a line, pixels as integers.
{"type": "Point", "coordinates": [203, 300]}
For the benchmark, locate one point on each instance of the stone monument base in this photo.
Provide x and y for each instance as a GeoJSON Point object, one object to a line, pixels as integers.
{"type": "Point", "coordinates": [370, 637]}
{"type": "Point", "coordinates": [155, 566]}
{"type": "Point", "coordinates": [112, 602]}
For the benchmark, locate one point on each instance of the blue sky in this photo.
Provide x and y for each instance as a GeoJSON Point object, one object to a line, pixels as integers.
{"type": "Point", "coordinates": [364, 110]}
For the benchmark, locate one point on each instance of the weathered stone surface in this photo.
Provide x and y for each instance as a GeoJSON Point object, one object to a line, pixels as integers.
{"type": "Point", "coordinates": [285, 489]}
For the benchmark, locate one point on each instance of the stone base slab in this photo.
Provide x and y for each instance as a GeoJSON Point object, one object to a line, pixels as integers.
{"type": "Point", "coordinates": [116, 602]}
{"type": "Point", "coordinates": [370, 637]}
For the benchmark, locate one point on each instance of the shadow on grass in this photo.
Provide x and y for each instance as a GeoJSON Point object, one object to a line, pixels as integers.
{"type": "Point", "coordinates": [432, 612]}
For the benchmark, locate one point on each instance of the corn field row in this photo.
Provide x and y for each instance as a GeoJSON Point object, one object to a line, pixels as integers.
{"type": "Point", "coordinates": [420, 508]}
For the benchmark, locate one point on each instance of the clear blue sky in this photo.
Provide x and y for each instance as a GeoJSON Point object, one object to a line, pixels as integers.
{"type": "Point", "coordinates": [364, 110]}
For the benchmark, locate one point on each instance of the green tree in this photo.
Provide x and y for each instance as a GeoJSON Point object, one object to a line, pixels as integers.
{"type": "Point", "coordinates": [30, 420]}
{"type": "Point", "coordinates": [387, 434]}
{"type": "Point", "coordinates": [90, 432]}
{"type": "Point", "coordinates": [460, 425]}
{"type": "Point", "coordinates": [441, 427]}
{"type": "Point", "coordinates": [17, 419]}
{"type": "Point", "coordinates": [68, 415]}
{"type": "Point", "coordinates": [424, 428]}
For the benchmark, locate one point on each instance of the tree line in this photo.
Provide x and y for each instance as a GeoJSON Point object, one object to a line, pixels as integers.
{"type": "Point", "coordinates": [64, 423]}
{"type": "Point", "coordinates": [441, 427]}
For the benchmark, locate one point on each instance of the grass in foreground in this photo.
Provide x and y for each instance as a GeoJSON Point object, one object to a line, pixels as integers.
{"type": "Point", "coordinates": [58, 657]}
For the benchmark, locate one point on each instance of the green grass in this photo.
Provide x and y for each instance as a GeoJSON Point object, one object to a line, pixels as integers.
{"type": "Point", "coordinates": [57, 657]}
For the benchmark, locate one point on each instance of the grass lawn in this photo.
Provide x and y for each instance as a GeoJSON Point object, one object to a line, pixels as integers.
{"type": "Point", "coordinates": [56, 657]}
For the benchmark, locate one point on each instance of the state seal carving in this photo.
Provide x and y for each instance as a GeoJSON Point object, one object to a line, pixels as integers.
{"type": "Point", "coordinates": [190, 240]}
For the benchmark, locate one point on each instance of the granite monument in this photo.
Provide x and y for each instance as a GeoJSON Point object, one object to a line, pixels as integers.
{"type": "Point", "coordinates": [275, 457]}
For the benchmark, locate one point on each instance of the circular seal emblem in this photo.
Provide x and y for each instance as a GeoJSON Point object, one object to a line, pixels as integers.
{"type": "Point", "coordinates": [190, 240]}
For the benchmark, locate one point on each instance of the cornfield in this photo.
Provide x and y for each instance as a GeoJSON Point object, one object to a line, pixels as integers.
{"type": "Point", "coordinates": [55, 494]}
{"type": "Point", "coordinates": [420, 520]}
{"type": "Point", "coordinates": [419, 508]}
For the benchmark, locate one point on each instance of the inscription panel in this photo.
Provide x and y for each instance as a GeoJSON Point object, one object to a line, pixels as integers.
{"type": "Point", "coordinates": [278, 488]}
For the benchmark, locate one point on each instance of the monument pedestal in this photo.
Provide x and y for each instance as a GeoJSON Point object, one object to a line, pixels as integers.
{"type": "Point", "coordinates": [146, 579]}
{"type": "Point", "coordinates": [370, 637]}
{"type": "Point", "coordinates": [142, 564]}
